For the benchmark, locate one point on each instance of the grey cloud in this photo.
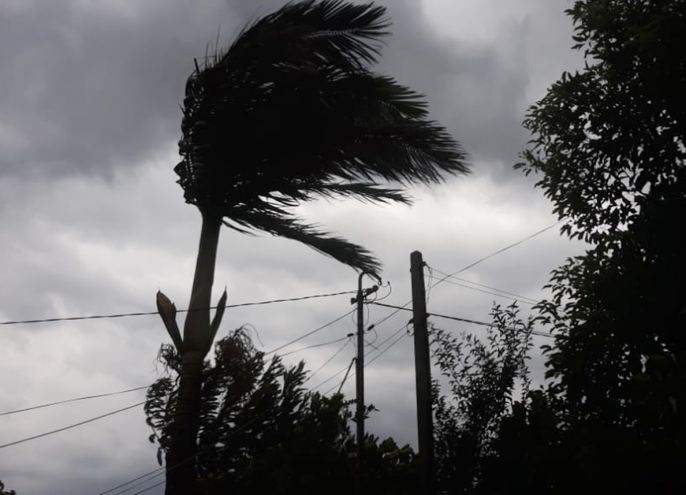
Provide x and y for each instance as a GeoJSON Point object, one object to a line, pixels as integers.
{"type": "Point", "coordinates": [94, 223]}
{"type": "Point", "coordinates": [95, 87]}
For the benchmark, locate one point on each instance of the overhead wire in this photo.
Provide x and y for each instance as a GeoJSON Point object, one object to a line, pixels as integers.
{"type": "Point", "coordinates": [158, 472]}
{"type": "Point", "coordinates": [381, 353]}
{"type": "Point", "coordinates": [148, 313]}
{"type": "Point", "coordinates": [366, 363]}
{"type": "Point", "coordinates": [472, 265]}
{"type": "Point", "coordinates": [121, 392]}
{"type": "Point", "coordinates": [155, 471]}
{"type": "Point", "coordinates": [313, 346]}
{"type": "Point", "coordinates": [493, 293]}
{"type": "Point", "coordinates": [150, 487]}
{"type": "Point", "coordinates": [69, 427]}
{"type": "Point", "coordinates": [111, 413]}
{"type": "Point", "coordinates": [120, 315]}
{"type": "Point", "coordinates": [331, 358]}
{"type": "Point", "coordinates": [150, 475]}
{"type": "Point", "coordinates": [458, 318]}
{"type": "Point", "coordinates": [499, 251]}
{"type": "Point", "coordinates": [329, 379]}
{"type": "Point", "coordinates": [304, 336]}
{"type": "Point", "coordinates": [75, 399]}
{"type": "Point", "coordinates": [352, 361]}
{"type": "Point", "coordinates": [450, 278]}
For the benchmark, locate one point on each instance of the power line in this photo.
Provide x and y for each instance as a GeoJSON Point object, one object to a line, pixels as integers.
{"type": "Point", "coordinates": [342, 370]}
{"type": "Point", "coordinates": [329, 379]}
{"type": "Point", "coordinates": [333, 356]}
{"type": "Point", "coordinates": [392, 335]}
{"type": "Point", "coordinates": [120, 392]}
{"type": "Point", "coordinates": [150, 487]}
{"type": "Point", "coordinates": [457, 318]}
{"type": "Point", "coordinates": [163, 470]}
{"type": "Point", "coordinates": [380, 353]}
{"type": "Point", "coordinates": [310, 333]}
{"type": "Point", "coordinates": [155, 471]}
{"type": "Point", "coordinates": [146, 477]}
{"type": "Point", "coordinates": [499, 251]}
{"type": "Point", "coordinates": [345, 377]}
{"type": "Point", "coordinates": [402, 336]}
{"type": "Point", "coordinates": [451, 282]}
{"type": "Point", "coordinates": [514, 295]}
{"type": "Point", "coordinates": [41, 435]}
{"type": "Point", "coordinates": [148, 313]}
{"type": "Point", "coordinates": [76, 399]}
{"type": "Point", "coordinates": [159, 471]}
{"type": "Point", "coordinates": [321, 344]}
{"type": "Point", "coordinates": [473, 264]}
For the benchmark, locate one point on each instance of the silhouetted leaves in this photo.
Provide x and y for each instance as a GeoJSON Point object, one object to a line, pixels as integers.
{"type": "Point", "coordinates": [261, 431]}
{"type": "Point", "coordinates": [609, 143]}
{"type": "Point", "coordinates": [483, 374]}
{"type": "Point", "coordinates": [3, 492]}
{"type": "Point", "coordinates": [291, 112]}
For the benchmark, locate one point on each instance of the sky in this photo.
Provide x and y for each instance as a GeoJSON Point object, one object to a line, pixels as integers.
{"type": "Point", "coordinates": [93, 221]}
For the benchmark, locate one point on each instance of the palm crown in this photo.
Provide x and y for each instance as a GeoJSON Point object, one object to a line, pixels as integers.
{"type": "Point", "coordinates": [291, 112]}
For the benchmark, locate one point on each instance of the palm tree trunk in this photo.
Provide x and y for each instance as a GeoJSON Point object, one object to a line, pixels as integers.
{"type": "Point", "coordinates": [180, 459]}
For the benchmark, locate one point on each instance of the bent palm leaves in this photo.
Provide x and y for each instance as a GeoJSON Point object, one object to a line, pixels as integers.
{"type": "Point", "coordinates": [290, 113]}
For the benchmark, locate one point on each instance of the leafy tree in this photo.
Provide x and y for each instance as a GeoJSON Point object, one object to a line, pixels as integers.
{"type": "Point", "coordinates": [482, 378]}
{"type": "Point", "coordinates": [609, 143]}
{"type": "Point", "coordinates": [3, 492]}
{"type": "Point", "coordinates": [288, 113]}
{"type": "Point", "coordinates": [262, 432]}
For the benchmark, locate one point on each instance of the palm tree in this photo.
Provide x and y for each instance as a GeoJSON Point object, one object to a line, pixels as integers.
{"type": "Point", "coordinates": [290, 113]}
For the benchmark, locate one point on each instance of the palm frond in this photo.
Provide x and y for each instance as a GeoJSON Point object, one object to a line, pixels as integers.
{"type": "Point", "coordinates": [288, 226]}
{"type": "Point", "coordinates": [328, 32]}
{"type": "Point", "coordinates": [291, 112]}
{"type": "Point", "coordinates": [363, 191]}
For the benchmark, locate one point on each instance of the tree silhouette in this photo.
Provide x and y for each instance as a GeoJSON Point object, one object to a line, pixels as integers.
{"type": "Point", "coordinates": [290, 113]}
{"type": "Point", "coordinates": [481, 378]}
{"type": "Point", "coordinates": [3, 492]}
{"type": "Point", "coordinates": [262, 432]}
{"type": "Point", "coordinates": [609, 145]}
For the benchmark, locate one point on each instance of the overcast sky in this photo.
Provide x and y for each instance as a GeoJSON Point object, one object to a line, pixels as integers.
{"type": "Point", "coordinates": [94, 223]}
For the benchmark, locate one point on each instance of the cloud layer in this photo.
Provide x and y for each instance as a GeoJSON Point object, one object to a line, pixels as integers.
{"type": "Point", "coordinates": [94, 223]}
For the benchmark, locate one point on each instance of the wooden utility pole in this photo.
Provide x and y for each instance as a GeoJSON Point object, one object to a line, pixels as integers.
{"type": "Point", "coordinates": [359, 373]}
{"type": "Point", "coordinates": [422, 363]}
{"type": "Point", "coordinates": [359, 367]}
{"type": "Point", "coordinates": [359, 361]}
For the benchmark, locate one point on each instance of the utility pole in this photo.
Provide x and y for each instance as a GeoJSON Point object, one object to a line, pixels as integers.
{"type": "Point", "coordinates": [359, 361]}
{"type": "Point", "coordinates": [359, 367]}
{"type": "Point", "coordinates": [359, 373]}
{"type": "Point", "coordinates": [422, 363]}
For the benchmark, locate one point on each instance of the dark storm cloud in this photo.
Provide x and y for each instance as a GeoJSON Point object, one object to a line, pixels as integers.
{"type": "Point", "coordinates": [89, 87]}
{"type": "Point", "coordinates": [94, 223]}
{"type": "Point", "coordinates": [477, 89]}
{"type": "Point", "coordinates": [94, 87]}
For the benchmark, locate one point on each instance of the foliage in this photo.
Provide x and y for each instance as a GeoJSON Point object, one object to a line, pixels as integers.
{"type": "Point", "coordinates": [610, 139]}
{"type": "Point", "coordinates": [291, 112]}
{"type": "Point", "coordinates": [609, 143]}
{"type": "Point", "coordinates": [3, 492]}
{"type": "Point", "coordinates": [483, 375]}
{"type": "Point", "coordinates": [262, 432]}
